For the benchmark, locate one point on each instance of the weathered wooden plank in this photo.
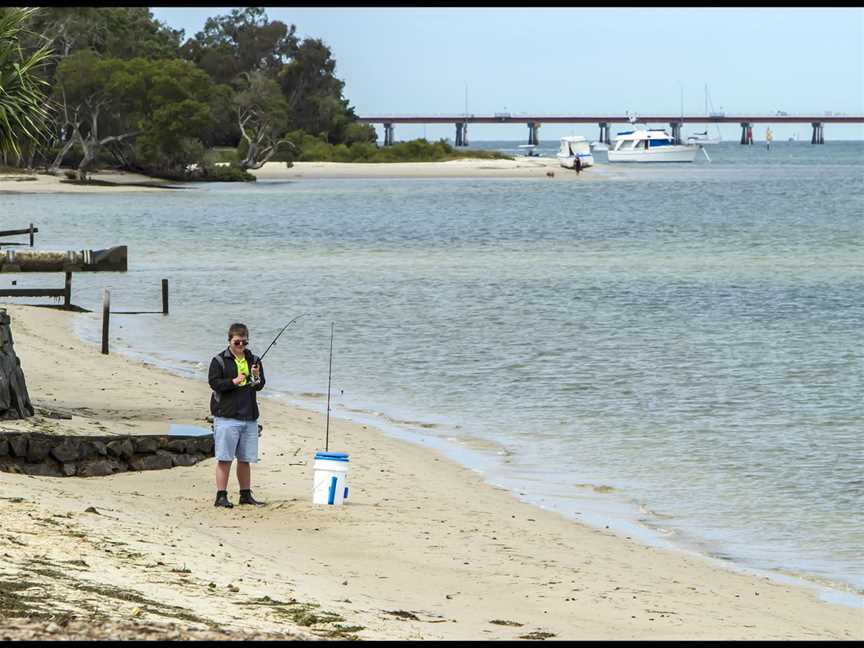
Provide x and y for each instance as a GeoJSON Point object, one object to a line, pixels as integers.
{"type": "Point", "coordinates": [108, 260]}
{"type": "Point", "coordinates": [33, 292]}
{"type": "Point", "coordinates": [18, 231]}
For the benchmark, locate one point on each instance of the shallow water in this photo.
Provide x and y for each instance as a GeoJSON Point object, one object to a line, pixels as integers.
{"type": "Point", "coordinates": [687, 337]}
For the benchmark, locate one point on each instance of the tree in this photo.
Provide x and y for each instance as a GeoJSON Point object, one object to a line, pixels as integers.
{"type": "Point", "coordinates": [112, 32]}
{"type": "Point", "coordinates": [110, 101]}
{"type": "Point", "coordinates": [313, 92]}
{"type": "Point", "coordinates": [243, 41]}
{"type": "Point", "coordinates": [262, 114]}
{"type": "Point", "coordinates": [24, 114]}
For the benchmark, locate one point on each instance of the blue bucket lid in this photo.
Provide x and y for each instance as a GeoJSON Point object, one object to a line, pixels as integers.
{"type": "Point", "coordinates": [332, 456]}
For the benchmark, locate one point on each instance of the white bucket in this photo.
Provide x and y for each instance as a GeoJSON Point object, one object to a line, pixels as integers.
{"type": "Point", "coordinates": [330, 482]}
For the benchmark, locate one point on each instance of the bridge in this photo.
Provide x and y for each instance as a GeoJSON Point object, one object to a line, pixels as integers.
{"type": "Point", "coordinates": [675, 122]}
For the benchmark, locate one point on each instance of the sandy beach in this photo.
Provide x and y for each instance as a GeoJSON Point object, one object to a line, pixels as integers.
{"type": "Point", "coordinates": [423, 549]}
{"type": "Point", "coordinates": [44, 183]}
{"type": "Point", "coordinates": [521, 167]}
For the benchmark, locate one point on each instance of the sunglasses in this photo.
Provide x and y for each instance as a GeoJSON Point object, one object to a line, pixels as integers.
{"type": "Point", "coordinates": [240, 342]}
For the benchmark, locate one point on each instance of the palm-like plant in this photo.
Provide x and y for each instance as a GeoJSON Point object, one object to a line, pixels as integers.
{"type": "Point", "coordinates": [24, 111]}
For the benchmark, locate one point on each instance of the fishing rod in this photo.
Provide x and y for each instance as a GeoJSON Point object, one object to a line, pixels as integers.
{"type": "Point", "coordinates": [261, 357]}
{"type": "Point", "coordinates": [329, 374]}
{"type": "Point", "coordinates": [253, 379]}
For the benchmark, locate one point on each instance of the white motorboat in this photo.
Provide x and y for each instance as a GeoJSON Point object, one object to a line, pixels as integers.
{"type": "Point", "coordinates": [573, 147]}
{"type": "Point", "coordinates": [650, 145]}
{"type": "Point", "coordinates": [702, 138]}
{"type": "Point", "coordinates": [599, 146]}
{"type": "Point", "coordinates": [529, 150]}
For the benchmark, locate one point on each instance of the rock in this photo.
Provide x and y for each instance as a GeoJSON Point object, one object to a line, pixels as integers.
{"type": "Point", "coordinates": [97, 468]}
{"type": "Point", "coordinates": [206, 445]}
{"type": "Point", "coordinates": [10, 466]}
{"type": "Point", "coordinates": [4, 446]}
{"type": "Point", "coordinates": [159, 461]}
{"type": "Point", "coordinates": [87, 450]}
{"type": "Point", "coordinates": [184, 460]}
{"type": "Point", "coordinates": [39, 447]}
{"type": "Point", "coordinates": [178, 445]}
{"type": "Point", "coordinates": [69, 469]}
{"type": "Point", "coordinates": [100, 448]}
{"type": "Point", "coordinates": [45, 468]}
{"type": "Point", "coordinates": [67, 450]}
{"type": "Point", "coordinates": [18, 445]}
{"type": "Point", "coordinates": [122, 448]}
{"type": "Point", "coordinates": [146, 444]}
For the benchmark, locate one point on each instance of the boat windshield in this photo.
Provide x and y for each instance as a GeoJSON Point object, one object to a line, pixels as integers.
{"type": "Point", "coordinates": [660, 142]}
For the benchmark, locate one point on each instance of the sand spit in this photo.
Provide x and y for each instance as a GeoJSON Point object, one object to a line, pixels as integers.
{"type": "Point", "coordinates": [121, 181]}
{"type": "Point", "coordinates": [520, 167]}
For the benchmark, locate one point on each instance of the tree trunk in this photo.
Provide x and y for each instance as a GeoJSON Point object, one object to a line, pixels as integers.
{"type": "Point", "coordinates": [89, 159]}
{"type": "Point", "coordinates": [14, 400]}
{"type": "Point", "coordinates": [54, 168]}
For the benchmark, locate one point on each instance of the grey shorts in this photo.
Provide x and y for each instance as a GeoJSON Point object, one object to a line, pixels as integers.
{"type": "Point", "coordinates": [235, 439]}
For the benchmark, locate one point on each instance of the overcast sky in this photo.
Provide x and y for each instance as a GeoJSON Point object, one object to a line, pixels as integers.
{"type": "Point", "coordinates": [584, 61]}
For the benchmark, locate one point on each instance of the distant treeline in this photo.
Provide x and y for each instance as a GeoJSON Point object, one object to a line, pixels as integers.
{"type": "Point", "coordinates": [112, 86]}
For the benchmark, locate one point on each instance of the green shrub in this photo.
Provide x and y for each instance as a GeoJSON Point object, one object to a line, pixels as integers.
{"type": "Point", "coordinates": [226, 174]}
{"type": "Point", "coordinates": [221, 154]}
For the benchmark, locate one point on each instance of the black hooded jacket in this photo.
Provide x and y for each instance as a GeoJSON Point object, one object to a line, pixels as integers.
{"type": "Point", "coordinates": [228, 400]}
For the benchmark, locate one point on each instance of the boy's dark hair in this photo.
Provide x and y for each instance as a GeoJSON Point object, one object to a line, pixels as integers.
{"type": "Point", "coordinates": [238, 329]}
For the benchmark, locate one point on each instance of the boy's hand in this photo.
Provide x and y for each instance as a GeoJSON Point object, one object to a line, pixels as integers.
{"type": "Point", "coordinates": [239, 379]}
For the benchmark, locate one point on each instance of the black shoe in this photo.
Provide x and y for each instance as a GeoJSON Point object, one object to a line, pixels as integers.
{"type": "Point", "coordinates": [222, 500]}
{"type": "Point", "coordinates": [246, 498]}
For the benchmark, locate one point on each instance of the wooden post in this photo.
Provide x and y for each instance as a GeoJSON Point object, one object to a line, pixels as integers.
{"type": "Point", "coordinates": [67, 290]}
{"type": "Point", "coordinates": [106, 313]}
{"type": "Point", "coordinates": [31, 234]}
{"type": "Point", "coordinates": [164, 296]}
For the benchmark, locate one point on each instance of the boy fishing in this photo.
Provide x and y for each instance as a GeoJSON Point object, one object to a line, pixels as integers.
{"type": "Point", "coordinates": [236, 375]}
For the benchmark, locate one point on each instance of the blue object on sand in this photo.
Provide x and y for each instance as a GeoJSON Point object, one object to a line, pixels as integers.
{"type": "Point", "coordinates": [332, 456]}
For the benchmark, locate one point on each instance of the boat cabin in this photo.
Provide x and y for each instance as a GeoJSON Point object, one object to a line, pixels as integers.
{"type": "Point", "coordinates": [642, 139]}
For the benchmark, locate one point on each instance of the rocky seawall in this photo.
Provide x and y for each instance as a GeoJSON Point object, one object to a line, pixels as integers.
{"type": "Point", "coordinates": [97, 456]}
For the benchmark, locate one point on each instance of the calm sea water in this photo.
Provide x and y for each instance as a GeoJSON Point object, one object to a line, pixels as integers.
{"type": "Point", "coordinates": [673, 350]}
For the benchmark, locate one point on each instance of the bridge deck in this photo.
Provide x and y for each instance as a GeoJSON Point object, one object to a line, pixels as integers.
{"type": "Point", "coordinates": [618, 119]}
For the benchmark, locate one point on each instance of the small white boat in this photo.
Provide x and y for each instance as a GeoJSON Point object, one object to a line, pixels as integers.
{"type": "Point", "coordinates": [702, 138]}
{"type": "Point", "coordinates": [599, 146]}
{"type": "Point", "coordinates": [529, 150]}
{"type": "Point", "coordinates": [650, 145]}
{"type": "Point", "coordinates": [573, 147]}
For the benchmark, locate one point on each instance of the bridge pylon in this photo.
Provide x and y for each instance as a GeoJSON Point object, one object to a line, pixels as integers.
{"type": "Point", "coordinates": [533, 127]}
{"type": "Point", "coordinates": [818, 133]}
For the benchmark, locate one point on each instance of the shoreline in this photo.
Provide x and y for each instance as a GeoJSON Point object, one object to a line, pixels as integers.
{"type": "Point", "coordinates": [596, 505]}
{"type": "Point", "coordinates": [110, 181]}
{"type": "Point", "coordinates": [520, 167]}
{"type": "Point", "coordinates": [554, 576]}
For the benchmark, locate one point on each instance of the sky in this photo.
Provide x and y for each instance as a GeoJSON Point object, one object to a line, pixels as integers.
{"type": "Point", "coordinates": [552, 61]}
